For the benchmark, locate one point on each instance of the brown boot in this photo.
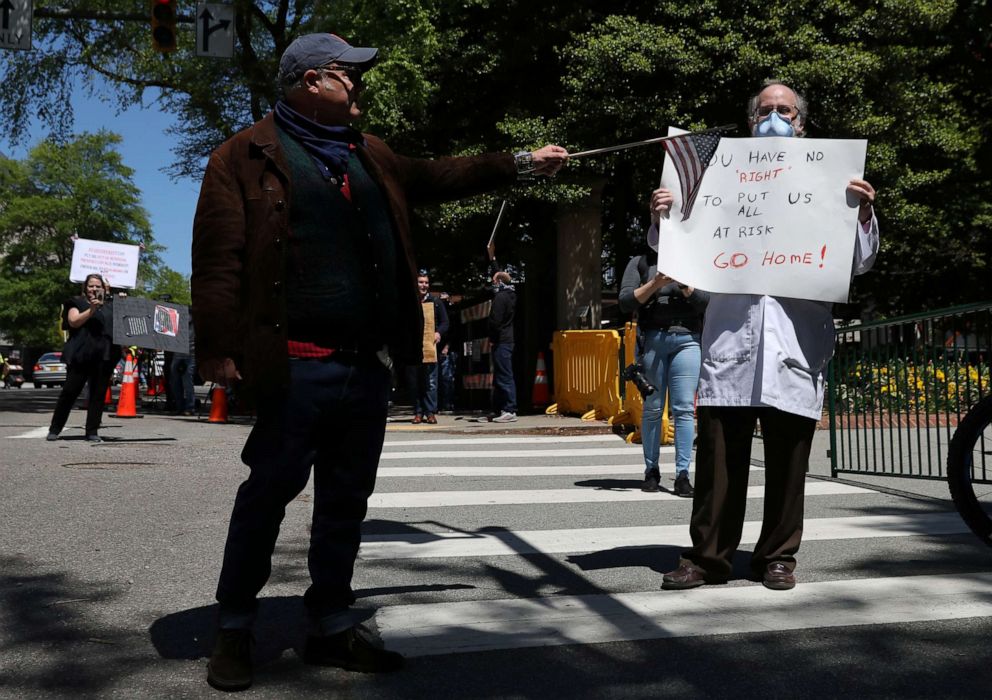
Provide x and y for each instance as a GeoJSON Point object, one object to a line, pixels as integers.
{"type": "Point", "coordinates": [417, 420]}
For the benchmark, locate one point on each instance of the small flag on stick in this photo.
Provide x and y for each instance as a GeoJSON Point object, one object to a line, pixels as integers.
{"type": "Point", "coordinates": [691, 154]}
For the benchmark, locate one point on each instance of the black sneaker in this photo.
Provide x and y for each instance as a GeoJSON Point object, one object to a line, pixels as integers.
{"type": "Point", "coordinates": [229, 667]}
{"type": "Point", "coordinates": [651, 481]}
{"type": "Point", "coordinates": [52, 437]}
{"type": "Point", "coordinates": [683, 487]}
{"type": "Point", "coordinates": [94, 438]}
{"type": "Point", "coordinates": [351, 650]}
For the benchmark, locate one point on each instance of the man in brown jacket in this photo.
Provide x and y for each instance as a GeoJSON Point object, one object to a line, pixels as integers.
{"type": "Point", "coordinates": [303, 289]}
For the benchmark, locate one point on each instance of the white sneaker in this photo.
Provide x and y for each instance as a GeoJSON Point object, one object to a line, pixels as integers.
{"type": "Point", "coordinates": [505, 417]}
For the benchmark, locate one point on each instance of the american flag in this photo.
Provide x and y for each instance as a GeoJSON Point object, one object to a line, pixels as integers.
{"type": "Point", "coordinates": [692, 154]}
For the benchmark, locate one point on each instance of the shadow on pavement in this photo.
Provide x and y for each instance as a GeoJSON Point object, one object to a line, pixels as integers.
{"type": "Point", "coordinates": [189, 634]}
{"type": "Point", "coordinates": [49, 631]}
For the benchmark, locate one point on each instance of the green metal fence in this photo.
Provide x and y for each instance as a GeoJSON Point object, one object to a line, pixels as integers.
{"type": "Point", "coordinates": [897, 389]}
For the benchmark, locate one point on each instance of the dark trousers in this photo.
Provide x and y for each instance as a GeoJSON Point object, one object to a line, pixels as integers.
{"type": "Point", "coordinates": [182, 370]}
{"type": "Point", "coordinates": [723, 458]}
{"type": "Point", "coordinates": [332, 418]}
{"type": "Point", "coordinates": [504, 388]}
{"type": "Point", "coordinates": [76, 376]}
{"type": "Point", "coordinates": [422, 382]}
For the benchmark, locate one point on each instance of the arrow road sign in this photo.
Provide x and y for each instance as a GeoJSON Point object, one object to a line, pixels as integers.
{"type": "Point", "coordinates": [15, 24]}
{"type": "Point", "coordinates": [214, 30]}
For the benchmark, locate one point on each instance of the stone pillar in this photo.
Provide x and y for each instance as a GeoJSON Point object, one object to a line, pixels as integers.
{"type": "Point", "coordinates": [580, 274]}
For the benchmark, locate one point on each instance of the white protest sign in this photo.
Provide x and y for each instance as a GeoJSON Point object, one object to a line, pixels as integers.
{"type": "Point", "coordinates": [117, 263]}
{"type": "Point", "coordinates": [772, 217]}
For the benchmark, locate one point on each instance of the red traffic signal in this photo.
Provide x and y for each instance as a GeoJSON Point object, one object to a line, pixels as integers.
{"type": "Point", "coordinates": [164, 25]}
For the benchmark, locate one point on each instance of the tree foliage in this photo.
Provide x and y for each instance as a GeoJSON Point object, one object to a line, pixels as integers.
{"type": "Point", "coordinates": [60, 191]}
{"type": "Point", "coordinates": [462, 76]}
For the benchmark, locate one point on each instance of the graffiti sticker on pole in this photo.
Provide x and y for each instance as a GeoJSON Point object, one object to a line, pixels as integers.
{"type": "Point", "coordinates": [772, 216]}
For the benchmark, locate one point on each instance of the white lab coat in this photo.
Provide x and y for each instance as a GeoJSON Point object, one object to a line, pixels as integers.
{"type": "Point", "coordinates": [772, 351]}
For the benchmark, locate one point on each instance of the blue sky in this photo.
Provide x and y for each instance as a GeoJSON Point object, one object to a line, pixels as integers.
{"type": "Point", "coordinates": [146, 149]}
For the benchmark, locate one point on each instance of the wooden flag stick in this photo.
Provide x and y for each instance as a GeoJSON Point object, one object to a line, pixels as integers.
{"type": "Point", "coordinates": [647, 142]}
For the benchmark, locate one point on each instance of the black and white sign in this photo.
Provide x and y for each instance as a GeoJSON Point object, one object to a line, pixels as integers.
{"type": "Point", "coordinates": [214, 30]}
{"type": "Point", "coordinates": [15, 24]}
{"type": "Point", "coordinates": [152, 324]}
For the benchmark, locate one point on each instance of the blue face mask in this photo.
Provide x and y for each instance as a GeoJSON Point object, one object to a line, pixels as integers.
{"type": "Point", "coordinates": [774, 125]}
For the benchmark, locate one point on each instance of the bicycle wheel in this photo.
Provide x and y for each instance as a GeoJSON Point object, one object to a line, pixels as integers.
{"type": "Point", "coordinates": [969, 469]}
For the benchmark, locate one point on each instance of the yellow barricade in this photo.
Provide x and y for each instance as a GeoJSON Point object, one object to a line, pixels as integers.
{"type": "Point", "coordinates": [587, 373]}
{"type": "Point", "coordinates": [633, 404]}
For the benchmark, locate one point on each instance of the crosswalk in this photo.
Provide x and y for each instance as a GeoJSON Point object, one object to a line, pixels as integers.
{"type": "Point", "coordinates": [532, 541]}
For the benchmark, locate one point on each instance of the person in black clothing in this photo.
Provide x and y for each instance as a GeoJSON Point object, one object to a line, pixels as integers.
{"type": "Point", "coordinates": [422, 377]}
{"type": "Point", "coordinates": [501, 341]}
{"type": "Point", "coordinates": [181, 376]}
{"type": "Point", "coordinates": [89, 355]}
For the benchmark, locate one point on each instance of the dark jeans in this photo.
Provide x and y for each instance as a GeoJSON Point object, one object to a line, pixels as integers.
{"type": "Point", "coordinates": [504, 388]}
{"type": "Point", "coordinates": [76, 376]}
{"type": "Point", "coordinates": [333, 418]}
{"type": "Point", "coordinates": [422, 382]}
{"type": "Point", "coordinates": [181, 375]}
{"type": "Point", "coordinates": [448, 371]}
{"type": "Point", "coordinates": [723, 462]}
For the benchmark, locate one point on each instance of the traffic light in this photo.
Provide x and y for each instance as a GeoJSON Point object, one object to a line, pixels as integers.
{"type": "Point", "coordinates": [164, 25]}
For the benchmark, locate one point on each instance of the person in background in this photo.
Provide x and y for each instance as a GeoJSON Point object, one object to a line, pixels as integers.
{"type": "Point", "coordinates": [669, 321]}
{"type": "Point", "coordinates": [448, 365]}
{"type": "Point", "coordinates": [89, 355]}
{"type": "Point", "coordinates": [501, 316]}
{"type": "Point", "coordinates": [182, 373]}
{"type": "Point", "coordinates": [422, 378]}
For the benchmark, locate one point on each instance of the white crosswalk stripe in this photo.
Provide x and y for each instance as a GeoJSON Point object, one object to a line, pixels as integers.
{"type": "Point", "coordinates": [422, 630]}
{"type": "Point", "coordinates": [622, 450]}
{"type": "Point", "coordinates": [437, 499]}
{"type": "Point", "coordinates": [635, 470]}
{"type": "Point", "coordinates": [507, 542]}
{"type": "Point", "coordinates": [468, 517]}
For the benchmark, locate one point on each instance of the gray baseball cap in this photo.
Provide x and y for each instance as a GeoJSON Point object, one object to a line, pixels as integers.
{"type": "Point", "coordinates": [316, 50]}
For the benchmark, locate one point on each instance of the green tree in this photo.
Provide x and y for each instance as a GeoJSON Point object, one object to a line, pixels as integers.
{"type": "Point", "coordinates": [60, 191]}
{"type": "Point", "coordinates": [166, 282]}
{"type": "Point", "coordinates": [464, 76]}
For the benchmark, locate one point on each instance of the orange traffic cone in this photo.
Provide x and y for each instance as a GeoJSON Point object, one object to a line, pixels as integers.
{"type": "Point", "coordinates": [540, 395]}
{"type": "Point", "coordinates": [218, 405]}
{"type": "Point", "coordinates": [129, 392]}
{"type": "Point", "coordinates": [108, 397]}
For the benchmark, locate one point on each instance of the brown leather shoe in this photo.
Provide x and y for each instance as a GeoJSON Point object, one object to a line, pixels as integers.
{"type": "Point", "coordinates": [417, 420]}
{"type": "Point", "coordinates": [431, 418]}
{"type": "Point", "coordinates": [779, 577]}
{"type": "Point", "coordinates": [686, 576]}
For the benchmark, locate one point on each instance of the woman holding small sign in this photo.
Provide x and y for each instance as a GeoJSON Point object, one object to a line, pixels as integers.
{"type": "Point", "coordinates": [89, 355]}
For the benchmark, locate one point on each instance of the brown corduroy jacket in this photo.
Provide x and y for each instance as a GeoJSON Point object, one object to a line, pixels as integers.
{"type": "Point", "coordinates": [240, 236]}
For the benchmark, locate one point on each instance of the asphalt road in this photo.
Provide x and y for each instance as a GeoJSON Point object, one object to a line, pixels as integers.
{"type": "Point", "coordinates": [520, 562]}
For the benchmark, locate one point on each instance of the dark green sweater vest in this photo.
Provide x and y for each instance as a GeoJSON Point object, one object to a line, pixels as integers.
{"type": "Point", "coordinates": [341, 261]}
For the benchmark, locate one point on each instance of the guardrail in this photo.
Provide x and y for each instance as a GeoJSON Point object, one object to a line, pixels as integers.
{"type": "Point", "coordinates": [897, 389]}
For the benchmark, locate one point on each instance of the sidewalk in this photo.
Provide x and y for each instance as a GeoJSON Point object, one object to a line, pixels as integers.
{"type": "Point", "coordinates": [466, 422]}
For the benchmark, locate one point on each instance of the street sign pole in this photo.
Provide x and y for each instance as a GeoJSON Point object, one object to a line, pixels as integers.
{"type": "Point", "coordinates": [214, 30]}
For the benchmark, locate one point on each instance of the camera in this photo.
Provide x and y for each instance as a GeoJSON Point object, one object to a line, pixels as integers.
{"type": "Point", "coordinates": [634, 372]}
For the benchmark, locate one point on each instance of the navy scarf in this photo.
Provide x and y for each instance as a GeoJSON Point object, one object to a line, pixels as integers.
{"type": "Point", "coordinates": [329, 146]}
